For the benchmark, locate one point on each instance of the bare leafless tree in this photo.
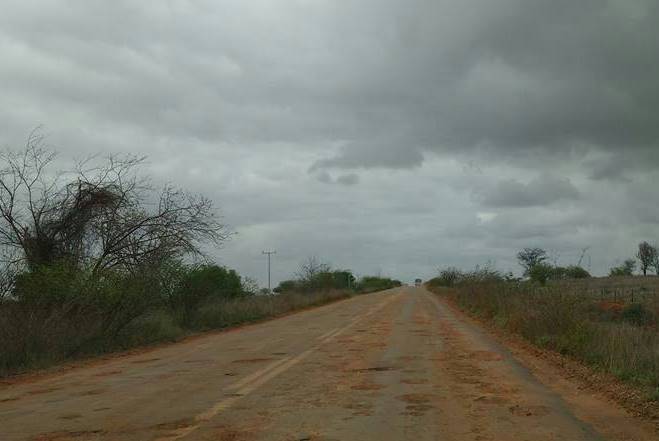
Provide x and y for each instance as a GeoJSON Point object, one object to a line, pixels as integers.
{"type": "Point", "coordinates": [98, 216]}
{"type": "Point", "coordinates": [311, 268]}
{"type": "Point", "coordinates": [9, 268]}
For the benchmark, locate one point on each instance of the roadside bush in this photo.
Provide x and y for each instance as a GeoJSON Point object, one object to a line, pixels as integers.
{"type": "Point", "coordinates": [372, 284]}
{"type": "Point", "coordinates": [202, 284]}
{"type": "Point", "coordinates": [637, 314]}
{"type": "Point", "coordinates": [625, 270]}
{"type": "Point", "coordinates": [226, 313]}
{"type": "Point", "coordinates": [448, 277]}
{"type": "Point", "coordinates": [154, 327]}
{"type": "Point", "coordinates": [57, 312]}
{"type": "Point", "coordinates": [485, 274]}
{"type": "Point", "coordinates": [569, 272]}
{"type": "Point", "coordinates": [577, 272]}
{"type": "Point", "coordinates": [324, 280]}
{"type": "Point", "coordinates": [288, 286]}
{"type": "Point", "coordinates": [481, 275]}
{"type": "Point", "coordinates": [541, 273]}
{"type": "Point", "coordinates": [343, 279]}
{"type": "Point", "coordinates": [92, 264]}
{"type": "Point", "coordinates": [615, 338]}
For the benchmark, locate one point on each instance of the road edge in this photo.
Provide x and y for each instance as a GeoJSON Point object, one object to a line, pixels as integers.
{"type": "Point", "coordinates": [603, 386]}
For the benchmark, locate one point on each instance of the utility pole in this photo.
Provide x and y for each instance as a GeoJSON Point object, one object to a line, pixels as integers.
{"type": "Point", "coordinates": [269, 254]}
{"type": "Point", "coordinates": [583, 254]}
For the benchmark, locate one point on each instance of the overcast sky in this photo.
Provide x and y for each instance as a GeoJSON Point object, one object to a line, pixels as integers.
{"type": "Point", "coordinates": [385, 136]}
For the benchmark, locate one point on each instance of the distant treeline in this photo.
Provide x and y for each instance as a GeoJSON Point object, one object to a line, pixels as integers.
{"type": "Point", "coordinates": [536, 268]}
{"type": "Point", "coordinates": [316, 276]}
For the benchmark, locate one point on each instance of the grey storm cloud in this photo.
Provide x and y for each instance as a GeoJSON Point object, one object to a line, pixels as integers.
{"type": "Point", "coordinates": [542, 191]}
{"type": "Point", "coordinates": [344, 179]}
{"type": "Point", "coordinates": [381, 154]}
{"type": "Point", "coordinates": [438, 123]}
{"type": "Point", "coordinates": [349, 179]}
{"type": "Point", "coordinates": [388, 79]}
{"type": "Point", "coordinates": [515, 78]}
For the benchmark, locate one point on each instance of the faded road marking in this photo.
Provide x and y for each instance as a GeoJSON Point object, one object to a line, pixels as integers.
{"type": "Point", "coordinates": [252, 382]}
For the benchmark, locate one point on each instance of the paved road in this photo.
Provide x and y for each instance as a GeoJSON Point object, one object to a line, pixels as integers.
{"type": "Point", "coordinates": [397, 365]}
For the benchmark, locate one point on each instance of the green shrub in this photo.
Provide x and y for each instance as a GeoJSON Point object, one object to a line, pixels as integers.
{"type": "Point", "coordinates": [157, 326]}
{"type": "Point", "coordinates": [226, 313]}
{"type": "Point", "coordinates": [570, 272]}
{"type": "Point", "coordinates": [626, 269]}
{"type": "Point", "coordinates": [541, 273]}
{"type": "Point", "coordinates": [342, 279]}
{"type": "Point", "coordinates": [200, 285]}
{"type": "Point", "coordinates": [60, 312]}
{"type": "Point", "coordinates": [372, 284]}
{"type": "Point", "coordinates": [577, 272]}
{"type": "Point", "coordinates": [448, 277]}
{"type": "Point", "coordinates": [637, 314]}
{"type": "Point", "coordinates": [288, 286]}
{"type": "Point", "coordinates": [322, 281]}
{"type": "Point", "coordinates": [57, 313]}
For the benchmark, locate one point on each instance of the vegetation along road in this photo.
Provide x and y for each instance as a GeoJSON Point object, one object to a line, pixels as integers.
{"type": "Point", "coordinates": [396, 365]}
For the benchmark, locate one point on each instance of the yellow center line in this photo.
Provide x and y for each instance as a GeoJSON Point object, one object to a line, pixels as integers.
{"type": "Point", "coordinates": [327, 334]}
{"type": "Point", "coordinates": [252, 382]}
{"type": "Point", "coordinates": [255, 375]}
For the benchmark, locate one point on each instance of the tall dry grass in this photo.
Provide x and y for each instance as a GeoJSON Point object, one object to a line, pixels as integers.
{"type": "Point", "coordinates": [33, 338]}
{"type": "Point", "coordinates": [621, 339]}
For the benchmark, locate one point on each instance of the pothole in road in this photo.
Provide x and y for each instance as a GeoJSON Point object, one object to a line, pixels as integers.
{"type": "Point", "coordinates": [43, 391]}
{"type": "Point", "coordinates": [224, 433]}
{"type": "Point", "coordinates": [529, 411]}
{"type": "Point", "coordinates": [90, 392]}
{"type": "Point", "coordinates": [417, 409]}
{"type": "Point", "coordinates": [174, 425]}
{"type": "Point", "coordinates": [145, 361]}
{"type": "Point", "coordinates": [69, 416]}
{"type": "Point", "coordinates": [252, 360]}
{"type": "Point", "coordinates": [67, 436]}
{"type": "Point", "coordinates": [367, 386]}
{"type": "Point", "coordinates": [108, 373]}
{"type": "Point", "coordinates": [494, 400]}
{"type": "Point", "coordinates": [415, 398]}
{"type": "Point", "coordinates": [376, 369]}
{"type": "Point", "coordinates": [199, 361]}
{"type": "Point", "coordinates": [413, 381]}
